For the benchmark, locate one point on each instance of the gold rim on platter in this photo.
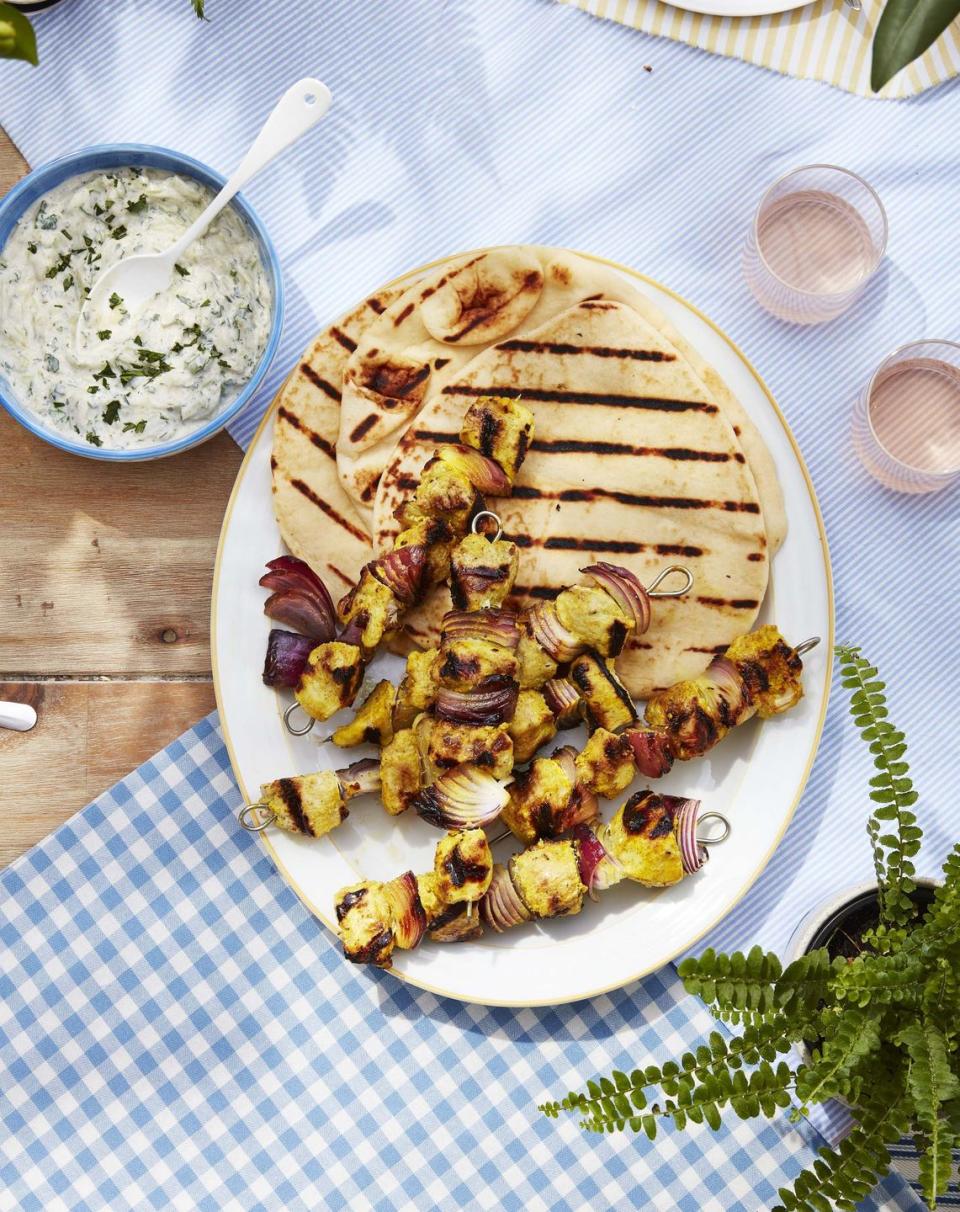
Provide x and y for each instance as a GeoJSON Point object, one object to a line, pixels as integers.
{"type": "Point", "coordinates": [403, 279]}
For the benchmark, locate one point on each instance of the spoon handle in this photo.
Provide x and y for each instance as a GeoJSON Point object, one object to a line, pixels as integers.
{"type": "Point", "coordinates": [21, 717]}
{"type": "Point", "coordinates": [300, 108]}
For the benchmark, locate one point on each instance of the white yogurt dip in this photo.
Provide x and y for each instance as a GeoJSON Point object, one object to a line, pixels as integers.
{"type": "Point", "coordinates": [133, 382]}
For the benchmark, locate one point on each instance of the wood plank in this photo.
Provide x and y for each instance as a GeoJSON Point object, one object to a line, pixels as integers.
{"type": "Point", "coordinates": [108, 568]}
{"type": "Point", "coordinates": [12, 164]}
{"type": "Point", "coordinates": [88, 735]}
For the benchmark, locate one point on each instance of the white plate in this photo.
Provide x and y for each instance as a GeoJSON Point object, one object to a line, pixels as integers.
{"type": "Point", "coordinates": [739, 8]}
{"type": "Point", "coordinates": [755, 776]}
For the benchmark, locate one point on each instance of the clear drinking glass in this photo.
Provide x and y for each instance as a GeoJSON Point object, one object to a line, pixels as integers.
{"type": "Point", "coordinates": [817, 237]}
{"type": "Point", "coordinates": [906, 421]}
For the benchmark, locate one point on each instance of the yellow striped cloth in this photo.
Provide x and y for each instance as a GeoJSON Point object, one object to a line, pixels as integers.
{"type": "Point", "coordinates": [826, 40]}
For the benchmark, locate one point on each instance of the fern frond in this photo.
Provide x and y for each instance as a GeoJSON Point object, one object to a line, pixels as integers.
{"type": "Point", "coordinates": [615, 1102]}
{"type": "Point", "coordinates": [737, 982]}
{"type": "Point", "coordinates": [857, 1036]}
{"type": "Point", "coordinates": [931, 1084]}
{"type": "Point", "coordinates": [841, 1178]}
{"type": "Point", "coordinates": [803, 985]}
{"type": "Point", "coordinates": [882, 979]}
{"type": "Point", "coordinates": [893, 829]}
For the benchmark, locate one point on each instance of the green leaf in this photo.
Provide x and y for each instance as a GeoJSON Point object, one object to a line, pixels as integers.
{"type": "Point", "coordinates": [17, 39]}
{"type": "Point", "coordinates": [905, 30]}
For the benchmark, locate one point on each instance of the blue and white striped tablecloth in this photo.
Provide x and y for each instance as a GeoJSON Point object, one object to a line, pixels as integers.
{"type": "Point", "coordinates": [454, 126]}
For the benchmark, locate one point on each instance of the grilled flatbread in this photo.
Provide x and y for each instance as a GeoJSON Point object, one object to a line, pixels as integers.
{"type": "Point", "coordinates": [437, 327]}
{"type": "Point", "coordinates": [317, 519]}
{"type": "Point", "coordinates": [633, 461]}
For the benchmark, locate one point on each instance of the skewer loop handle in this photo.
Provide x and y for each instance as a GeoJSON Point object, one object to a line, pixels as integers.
{"type": "Point", "coordinates": [262, 817]}
{"type": "Point", "coordinates": [806, 645]}
{"type": "Point", "coordinates": [685, 572]}
{"type": "Point", "coordinates": [717, 839]}
{"type": "Point", "coordinates": [486, 513]}
{"type": "Point", "coordinates": [290, 728]}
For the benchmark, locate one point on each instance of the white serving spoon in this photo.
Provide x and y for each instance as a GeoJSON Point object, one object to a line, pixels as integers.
{"type": "Point", "coordinates": [137, 279]}
{"type": "Point", "coordinates": [21, 717]}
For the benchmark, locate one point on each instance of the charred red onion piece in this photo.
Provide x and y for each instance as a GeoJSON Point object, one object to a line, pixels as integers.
{"type": "Point", "coordinates": [545, 627]}
{"type": "Point", "coordinates": [651, 752]}
{"type": "Point", "coordinates": [730, 685]}
{"type": "Point", "coordinates": [486, 475]}
{"type": "Point", "coordinates": [478, 707]}
{"type": "Point", "coordinates": [401, 570]}
{"type": "Point", "coordinates": [299, 598]}
{"type": "Point", "coordinates": [590, 855]}
{"type": "Point", "coordinates": [359, 778]}
{"type": "Point", "coordinates": [463, 798]}
{"type": "Point", "coordinates": [582, 808]}
{"type": "Point", "coordinates": [409, 920]}
{"type": "Point", "coordinates": [303, 612]}
{"type": "Point", "coordinates": [501, 906]}
{"type": "Point", "coordinates": [352, 632]}
{"type": "Point", "coordinates": [566, 755]}
{"type": "Point", "coordinates": [563, 700]}
{"type": "Point", "coordinates": [685, 813]}
{"type": "Point", "coordinates": [286, 657]}
{"type": "Point", "coordinates": [498, 626]}
{"type": "Point", "coordinates": [625, 589]}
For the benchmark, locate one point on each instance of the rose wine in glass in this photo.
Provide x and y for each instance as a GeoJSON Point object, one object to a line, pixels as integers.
{"type": "Point", "coordinates": [817, 237]}
{"type": "Point", "coordinates": [907, 421]}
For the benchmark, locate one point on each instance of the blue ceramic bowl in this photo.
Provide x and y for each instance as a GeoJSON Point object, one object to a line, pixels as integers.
{"type": "Point", "coordinates": [119, 155]}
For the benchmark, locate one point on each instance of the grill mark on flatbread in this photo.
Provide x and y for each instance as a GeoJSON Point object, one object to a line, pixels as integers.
{"type": "Point", "coordinates": [597, 305]}
{"type": "Point", "coordinates": [546, 395]}
{"type": "Point", "coordinates": [639, 644]}
{"type": "Point", "coordinates": [439, 363]}
{"type": "Point", "coordinates": [716, 650]}
{"type": "Point", "coordinates": [328, 389]}
{"type": "Point", "coordinates": [528, 493]}
{"type": "Point", "coordinates": [291, 418]}
{"type": "Point", "coordinates": [340, 573]}
{"type": "Point", "coordinates": [294, 805]}
{"type": "Point", "coordinates": [407, 483]}
{"type": "Point", "coordinates": [561, 348]}
{"type": "Point", "coordinates": [756, 555]}
{"type": "Point", "coordinates": [329, 510]}
{"type": "Point", "coordinates": [375, 305]}
{"type": "Point", "coordinates": [273, 462]}
{"type": "Point", "coordinates": [483, 310]}
{"type": "Point", "coordinates": [579, 446]}
{"type": "Point", "coordinates": [734, 603]}
{"type": "Point", "coordinates": [370, 490]}
{"type": "Point", "coordinates": [342, 339]}
{"type": "Point", "coordinates": [432, 290]}
{"type": "Point", "coordinates": [617, 546]}
{"type": "Point", "coordinates": [363, 427]}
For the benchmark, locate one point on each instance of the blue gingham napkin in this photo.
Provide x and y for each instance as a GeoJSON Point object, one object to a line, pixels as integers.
{"type": "Point", "coordinates": [177, 1032]}
{"type": "Point", "coordinates": [478, 122]}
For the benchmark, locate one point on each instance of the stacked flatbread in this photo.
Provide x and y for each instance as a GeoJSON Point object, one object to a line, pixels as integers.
{"type": "Point", "coordinates": [641, 455]}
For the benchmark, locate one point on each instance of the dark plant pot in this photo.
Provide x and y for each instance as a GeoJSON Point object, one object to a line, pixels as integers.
{"type": "Point", "coordinates": [33, 6]}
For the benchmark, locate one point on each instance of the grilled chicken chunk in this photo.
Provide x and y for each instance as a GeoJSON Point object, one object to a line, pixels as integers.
{"type": "Point", "coordinates": [448, 745]}
{"type": "Point", "coordinates": [538, 799]}
{"type": "Point", "coordinates": [330, 679]}
{"type": "Point", "coordinates": [533, 724]}
{"type": "Point", "coordinates": [463, 865]}
{"type": "Point", "coordinates": [444, 492]}
{"type": "Point", "coordinates": [307, 803]}
{"type": "Point", "coordinates": [595, 618]}
{"type": "Point", "coordinates": [400, 772]}
{"type": "Point", "coordinates": [534, 665]}
{"type": "Point", "coordinates": [374, 608]}
{"type": "Point", "coordinates": [373, 723]}
{"type": "Point", "coordinates": [642, 839]}
{"type": "Point", "coordinates": [469, 663]}
{"type": "Point", "coordinates": [606, 764]}
{"type": "Point", "coordinates": [547, 878]}
{"type": "Point", "coordinates": [770, 670]}
{"type": "Point", "coordinates": [482, 573]}
{"type": "Point", "coordinates": [417, 689]}
{"type": "Point", "coordinates": [500, 429]}
{"type": "Point", "coordinates": [436, 535]}
{"type": "Point", "coordinates": [606, 701]}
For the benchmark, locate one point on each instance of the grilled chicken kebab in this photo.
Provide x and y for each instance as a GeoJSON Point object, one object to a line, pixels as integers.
{"type": "Point", "coordinates": [495, 434]}
{"type": "Point", "coordinates": [650, 840]}
{"type": "Point", "coordinates": [759, 674]}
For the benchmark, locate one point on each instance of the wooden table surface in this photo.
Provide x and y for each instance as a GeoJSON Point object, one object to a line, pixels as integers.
{"type": "Point", "coordinates": [105, 576]}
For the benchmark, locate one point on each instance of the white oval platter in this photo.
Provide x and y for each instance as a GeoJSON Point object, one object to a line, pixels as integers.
{"type": "Point", "coordinates": [755, 777]}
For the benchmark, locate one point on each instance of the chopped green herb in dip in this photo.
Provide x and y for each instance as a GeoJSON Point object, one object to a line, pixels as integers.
{"type": "Point", "coordinates": [186, 355]}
